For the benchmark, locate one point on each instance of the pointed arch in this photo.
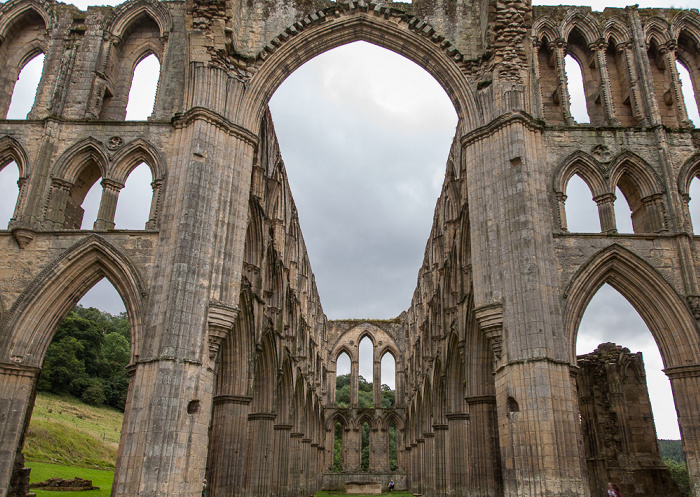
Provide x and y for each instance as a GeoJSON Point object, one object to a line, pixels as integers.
{"type": "Point", "coordinates": [129, 12]}
{"type": "Point", "coordinates": [665, 313]}
{"type": "Point", "coordinates": [395, 32]}
{"type": "Point", "coordinates": [587, 167]}
{"type": "Point", "coordinates": [131, 155]}
{"type": "Point", "coordinates": [71, 162]}
{"type": "Point", "coordinates": [11, 150]}
{"type": "Point", "coordinates": [544, 30]}
{"type": "Point", "coordinates": [617, 30]}
{"type": "Point", "coordinates": [28, 327]}
{"type": "Point", "coordinates": [644, 177]}
{"type": "Point", "coordinates": [265, 375]}
{"type": "Point", "coordinates": [12, 11]}
{"type": "Point", "coordinates": [689, 171]}
{"type": "Point", "coordinates": [581, 20]}
{"type": "Point", "coordinates": [657, 30]}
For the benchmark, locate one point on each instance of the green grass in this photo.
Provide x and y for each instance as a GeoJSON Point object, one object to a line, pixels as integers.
{"type": "Point", "coordinates": [65, 431]}
{"type": "Point", "coordinates": [44, 471]}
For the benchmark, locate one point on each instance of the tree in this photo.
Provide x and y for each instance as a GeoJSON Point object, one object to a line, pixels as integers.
{"type": "Point", "coordinates": [88, 357]}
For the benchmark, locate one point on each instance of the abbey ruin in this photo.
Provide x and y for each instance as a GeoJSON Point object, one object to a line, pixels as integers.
{"type": "Point", "coordinates": [233, 362]}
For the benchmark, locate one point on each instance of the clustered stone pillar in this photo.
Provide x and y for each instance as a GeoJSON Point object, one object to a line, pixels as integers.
{"type": "Point", "coordinates": [108, 205]}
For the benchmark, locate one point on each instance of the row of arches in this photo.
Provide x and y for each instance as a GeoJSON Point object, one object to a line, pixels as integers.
{"type": "Point", "coordinates": [620, 89]}
{"type": "Point", "coordinates": [76, 171]}
{"type": "Point", "coordinates": [130, 57]}
{"type": "Point", "coordinates": [629, 175]}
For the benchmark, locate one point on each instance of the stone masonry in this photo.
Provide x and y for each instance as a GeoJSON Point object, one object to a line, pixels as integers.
{"type": "Point", "coordinates": [232, 374]}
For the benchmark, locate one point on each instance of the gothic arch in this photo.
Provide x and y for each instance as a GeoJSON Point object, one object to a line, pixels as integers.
{"type": "Point", "coordinates": [12, 150]}
{"type": "Point", "coordinates": [689, 171]}
{"type": "Point", "coordinates": [133, 154]}
{"type": "Point", "coordinates": [588, 168]}
{"type": "Point", "coordinates": [644, 177]}
{"type": "Point", "coordinates": [662, 309]}
{"type": "Point", "coordinates": [13, 11]}
{"type": "Point", "coordinates": [265, 367]}
{"type": "Point", "coordinates": [657, 30]}
{"type": "Point", "coordinates": [70, 163]}
{"type": "Point", "coordinates": [584, 23]}
{"type": "Point", "coordinates": [686, 21]}
{"type": "Point", "coordinates": [28, 327]}
{"type": "Point", "coordinates": [617, 29]}
{"type": "Point", "coordinates": [320, 37]}
{"type": "Point", "coordinates": [544, 29]}
{"type": "Point", "coordinates": [128, 12]}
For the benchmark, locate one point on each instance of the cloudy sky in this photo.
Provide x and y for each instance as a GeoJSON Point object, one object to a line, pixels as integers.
{"type": "Point", "coordinates": [364, 136]}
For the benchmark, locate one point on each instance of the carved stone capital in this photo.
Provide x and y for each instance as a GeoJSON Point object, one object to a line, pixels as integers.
{"type": "Point", "coordinates": [220, 319]}
{"type": "Point", "coordinates": [490, 319]}
{"type": "Point", "coordinates": [23, 236]}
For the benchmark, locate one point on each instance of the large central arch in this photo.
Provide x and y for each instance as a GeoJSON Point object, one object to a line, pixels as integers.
{"type": "Point", "coordinates": [389, 31]}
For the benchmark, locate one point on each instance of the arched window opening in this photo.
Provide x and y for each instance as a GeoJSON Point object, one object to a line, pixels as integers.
{"type": "Point", "coordinates": [625, 216]}
{"type": "Point", "coordinates": [577, 94]}
{"type": "Point", "coordinates": [90, 206]}
{"type": "Point", "coordinates": [388, 381]}
{"type": "Point", "coordinates": [338, 448]}
{"type": "Point", "coordinates": [85, 360]}
{"type": "Point", "coordinates": [25, 90]}
{"type": "Point", "coordinates": [144, 86]}
{"type": "Point", "coordinates": [694, 205]}
{"type": "Point", "coordinates": [620, 86]}
{"type": "Point", "coordinates": [609, 317]}
{"type": "Point", "coordinates": [9, 191]}
{"type": "Point", "coordinates": [549, 83]}
{"type": "Point", "coordinates": [342, 380]}
{"type": "Point", "coordinates": [364, 458]}
{"type": "Point", "coordinates": [417, 117]}
{"type": "Point", "coordinates": [581, 211]}
{"type": "Point", "coordinates": [393, 448]}
{"type": "Point", "coordinates": [133, 208]}
{"type": "Point", "coordinates": [691, 104]}
{"type": "Point", "coordinates": [366, 368]}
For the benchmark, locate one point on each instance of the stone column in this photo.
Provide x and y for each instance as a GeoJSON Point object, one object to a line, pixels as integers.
{"type": "Point", "coordinates": [295, 464]}
{"type": "Point", "coordinates": [608, 106]}
{"type": "Point", "coordinates": [441, 461]}
{"type": "Point", "coordinates": [420, 476]}
{"type": "Point", "coordinates": [685, 383]}
{"type": "Point", "coordinates": [561, 210]}
{"type": "Point", "coordinates": [56, 208]}
{"type": "Point", "coordinates": [654, 208]}
{"type": "Point", "coordinates": [631, 68]}
{"type": "Point", "coordinates": [606, 212]}
{"type": "Point", "coordinates": [429, 463]}
{"type": "Point", "coordinates": [17, 391]}
{"type": "Point", "coordinates": [154, 214]}
{"type": "Point", "coordinates": [558, 47]}
{"type": "Point", "coordinates": [378, 450]}
{"type": "Point", "coordinates": [482, 446]}
{"type": "Point", "coordinates": [459, 457]}
{"type": "Point", "coordinates": [305, 465]}
{"type": "Point", "coordinates": [376, 380]}
{"type": "Point", "coordinates": [354, 382]}
{"type": "Point", "coordinates": [354, 453]}
{"type": "Point", "coordinates": [668, 51]}
{"type": "Point", "coordinates": [108, 205]}
{"type": "Point", "coordinates": [280, 485]}
{"type": "Point", "coordinates": [259, 455]}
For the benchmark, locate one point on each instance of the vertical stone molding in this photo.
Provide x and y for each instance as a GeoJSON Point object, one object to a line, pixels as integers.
{"type": "Point", "coordinates": [220, 319]}
{"type": "Point", "coordinates": [606, 212]}
{"type": "Point", "coordinates": [156, 201]}
{"type": "Point", "coordinates": [108, 205]}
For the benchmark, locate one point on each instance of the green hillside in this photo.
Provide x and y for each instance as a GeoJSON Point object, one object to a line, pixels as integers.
{"type": "Point", "coordinates": [65, 431]}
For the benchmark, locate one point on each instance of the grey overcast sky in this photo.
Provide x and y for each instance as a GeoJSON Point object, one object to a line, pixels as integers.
{"type": "Point", "coordinates": [364, 135]}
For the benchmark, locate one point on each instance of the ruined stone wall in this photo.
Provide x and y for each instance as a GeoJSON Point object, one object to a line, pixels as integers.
{"type": "Point", "coordinates": [619, 436]}
{"type": "Point", "coordinates": [232, 360]}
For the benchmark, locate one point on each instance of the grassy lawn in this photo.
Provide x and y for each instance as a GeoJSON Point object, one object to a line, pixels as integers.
{"type": "Point", "coordinates": [65, 431]}
{"type": "Point", "coordinates": [43, 471]}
